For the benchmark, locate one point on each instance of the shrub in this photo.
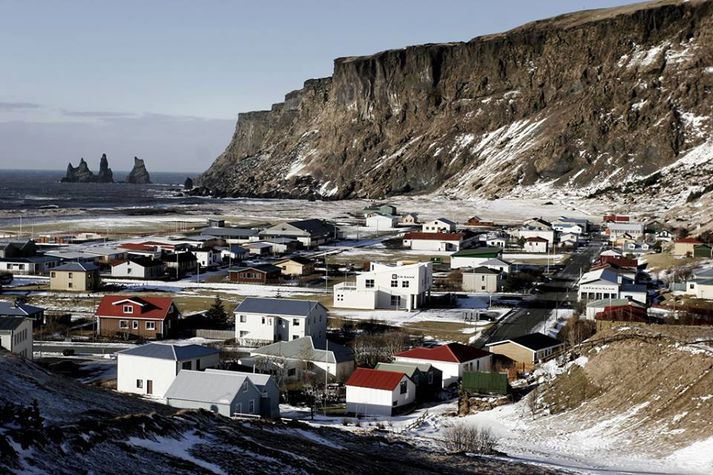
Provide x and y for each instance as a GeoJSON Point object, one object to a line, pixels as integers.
{"type": "Point", "coordinates": [468, 438]}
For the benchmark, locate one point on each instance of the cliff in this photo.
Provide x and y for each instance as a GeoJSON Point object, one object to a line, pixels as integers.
{"type": "Point", "coordinates": [82, 173]}
{"type": "Point", "coordinates": [579, 103]}
{"type": "Point", "coordinates": [139, 175]}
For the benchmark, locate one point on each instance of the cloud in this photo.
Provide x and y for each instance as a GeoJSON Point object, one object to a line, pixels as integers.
{"type": "Point", "coordinates": [96, 114]}
{"type": "Point", "coordinates": [18, 106]}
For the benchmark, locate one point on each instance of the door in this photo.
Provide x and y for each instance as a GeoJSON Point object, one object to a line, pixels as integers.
{"type": "Point", "coordinates": [149, 386]}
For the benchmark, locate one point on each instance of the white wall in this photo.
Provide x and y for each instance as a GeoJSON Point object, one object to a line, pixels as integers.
{"type": "Point", "coordinates": [379, 402]}
{"type": "Point", "coordinates": [275, 327]}
{"type": "Point", "coordinates": [452, 372]}
{"type": "Point", "coordinates": [460, 262]}
{"type": "Point", "coordinates": [19, 341]}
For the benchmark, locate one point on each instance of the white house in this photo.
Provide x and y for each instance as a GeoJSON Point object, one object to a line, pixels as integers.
{"type": "Point", "coordinates": [374, 392]}
{"type": "Point", "coordinates": [664, 235]}
{"type": "Point", "coordinates": [441, 241]}
{"type": "Point", "coordinates": [480, 279]}
{"type": "Point", "coordinates": [387, 286]}
{"type": "Point", "coordinates": [569, 239]}
{"type": "Point", "coordinates": [700, 288]}
{"type": "Point", "coordinates": [526, 233]}
{"type": "Point", "coordinates": [496, 241]}
{"type": "Point", "coordinates": [497, 264]}
{"type": "Point", "coordinates": [260, 321]}
{"type": "Point", "coordinates": [138, 267]}
{"type": "Point", "coordinates": [618, 230]}
{"type": "Point", "coordinates": [150, 369]}
{"type": "Point", "coordinates": [452, 359]}
{"type": "Point", "coordinates": [16, 335]}
{"type": "Point", "coordinates": [536, 244]}
{"type": "Point", "coordinates": [208, 257]}
{"type": "Point", "coordinates": [409, 219]}
{"type": "Point", "coordinates": [440, 225]}
{"type": "Point", "coordinates": [608, 283]}
{"type": "Point", "coordinates": [381, 222]}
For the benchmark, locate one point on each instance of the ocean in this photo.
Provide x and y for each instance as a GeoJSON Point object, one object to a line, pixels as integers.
{"type": "Point", "coordinates": [30, 190]}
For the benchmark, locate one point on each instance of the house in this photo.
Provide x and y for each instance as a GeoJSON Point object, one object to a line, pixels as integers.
{"type": "Point", "coordinates": [259, 248]}
{"type": "Point", "coordinates": [35, 265]}
{"type": "Point", "coordinates": [283, 245]}
{"type": "Point", "coordinates": [536, 244]}
{"type": "Point", "coordinates": [207, 257]}
{"type": "Point", "coordinates": [474, 257]}
{"type": "Point", "coordinates": [296, 357]}
{"type": "Point", "coordinates": [382, 222]}
{"type": "Point", "coordinates": [480, 279]}
{"type": "Point", "coordinates": [596, 306]}
{"type": "Point", "coordinates": [386, 286]}
{"type": "Point", "coordinates": [498, 241]}
{"type": "Point", "coordinates": [75, 277]}
{"type": "Point", "coordinates": [526, 233]}
{"type": "Point", "coordinates": [573, 225]}
{"type": "Point", "coordinates": [439, 225]}
{"type": "Point", "coordinates": [427, 378]}
{"type": "Point", "coordinates": [616, 218]}
{"type": "Point", "coordinates": [147, 318]}
{"type": "Point", "coordinates": [260, 274]}
{"type": "Point", "coordinates": [233, 253]}
{"type": "Point", "coordinates": [150, 369]}
{"type": "Point", "coordinates": [386, 209]}
{"type": "Point", "coordinates": [269, 393]}
{"type": "Point", "coordinates": [409, 219]}
{"type": "Point", "coordinates": [537, 224]}
{"type": "Point", "coordinates": [373, 392]}
{"type": "Point", "coordinates": [702, 250]}
{"type": "Point", "coordinates": [231, 235]}
{"type": "Point", "coordinates": [528, 349]}
{"type": "Point", "coordinates": [569, 240]}
{"type": "Point", "coordinates": [310, 232]}
{"type": "Point", "coordinates": [16, 335]}
{"type": "Point", "coordinates": [228, 393]}
{"type": "Point", "coordinates": [13, 249]}
{"type": "Point", "coordinates": [701, 288]}
{"type": "Point", "coordinates": [503, 267]}
{"type": "Point", "coordinates": [615, 230]}
{"type": "Point", "coordinates": [608, 282]}
{"type": "Point", "coordinates": [267, 320]}
{"type": "Point", "coordinates": [475, 221]}
{"type": "Point", "coordinates": [181, 263]}
{"type": "Point", "coordinates": [22, 310]}
{"type": "Point", "coordinates": [138, 267]}
{"type": "Point", "coordinates": [623, 313]}
{"type": "Point", "coordinates": [664, 235]}
{"type": "Point", "coordinates": [296, 266]}
{"type": "Point", "coordinates": [452, 359]}
{"type": "Point", "coordinates": [438, 241]}
{"type": "Point", "coordinates": [685, 246]}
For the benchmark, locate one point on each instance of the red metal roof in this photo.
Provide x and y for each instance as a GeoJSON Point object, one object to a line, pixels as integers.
{"type": "Point", "coordinates": [151, 308]}
{"type": "Point", "coordinates": [688, 241]}
{"type": "Point", "coordinates": [619, 261]}
{"type": "Point", "coordinates": [435, 236]}
{"type": "Point", "coordinates": [375, 379]}
{"type": "Point", "coordinates": [623, 313]}
{"type": "Point", "coordinates": [452, 352]}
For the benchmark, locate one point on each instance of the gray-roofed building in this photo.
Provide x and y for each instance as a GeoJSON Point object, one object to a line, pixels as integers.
{"type": "Point", "coordinates": [19, 309]}
{"type": "Point", "coordinates": [138, 267]}
{"type": "Point", "coordinates": [260, 321]}
{"type": "Point", "coordinates": [480, 279]}
{"type": "Point", "coordinates": [16, 335]}
{"type": "Point", "coordinates": [310, 232]}
{"type": "Point", "coordinates": [269, 391]}
{"type": "Point", "coordinates": [298, 359]}
{"type": "Point", "coordinates": [150, 369]}
{"type": "Point", "coordinates": [528, 349]}
{"type": "Point", "coordinates": [231, 235]}
{"type": "Point", "coordinates": [36, 265]}
{"type": "Point", "coordinates": [75, 277]}
{"type": "Point", "coordinates": [228, 393]}
{"type": "Point", "coordinates": [427, 378]}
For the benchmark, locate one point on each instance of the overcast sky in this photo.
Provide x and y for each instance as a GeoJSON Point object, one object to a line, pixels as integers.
{"type": "Point", "coordinates": [164, 80]}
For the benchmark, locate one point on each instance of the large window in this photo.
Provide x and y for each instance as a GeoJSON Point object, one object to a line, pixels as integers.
{"type": "Point", "coordinates": [296, 322]}
{"type": "Point", "coordinates": [404, 387]}
{"type": "Point", "coordinates": [369, 283]}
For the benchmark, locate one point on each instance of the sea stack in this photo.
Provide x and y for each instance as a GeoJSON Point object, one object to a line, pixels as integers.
{"type": "Point", "coordinates": [188, 184]}
{"type": "Point", "coordinates": [139, 175]}
{"type": "Point", "coordinates": [82, 173]}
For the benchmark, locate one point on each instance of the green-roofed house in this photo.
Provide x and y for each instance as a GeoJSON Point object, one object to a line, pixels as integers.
{"type": "Point", "coordinates": [596, 306]}
{"type": "Point", "coordinates": [475, 257]}
{"type": "Point", "coordinates": [427, 378]}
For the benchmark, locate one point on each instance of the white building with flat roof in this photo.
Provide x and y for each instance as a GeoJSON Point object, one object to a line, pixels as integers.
{"type": "Point", "coordinates": [403, 287]}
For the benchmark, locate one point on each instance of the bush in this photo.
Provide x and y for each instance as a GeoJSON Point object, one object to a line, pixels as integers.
{"type": "Point", "coordinates": [68, 352]}
{"type": "Point", "coordinates": [468, 438]}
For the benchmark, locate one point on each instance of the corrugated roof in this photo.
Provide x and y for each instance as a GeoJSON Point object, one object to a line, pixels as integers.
{"type": "Point", "coordinates": [149, 307]}
{"type": "Point", "coordinates": [375, 379]}
{"type": "Point", "coordinates": [258, 379]}
{"type": "Point", "coordinates": [10, 309]}
{"type": "Point", "coordinates": [165, 351]}
{"type": "Point", "coordinates": [452, 352]}
{"type": "Point", "coordinates": [304, 346]}
{"type": "Point", "coordinates": [533, 341]}
{"type": "Point", "coordinates": [206, 386]}
{"type": "Point", "coordinates": [77, 267]}
{"type": "Point", "coordinates": [407, 368]}
{"type": "Point", "coordinates": [300, 308]}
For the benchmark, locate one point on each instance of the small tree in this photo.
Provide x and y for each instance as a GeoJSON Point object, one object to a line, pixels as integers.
{"type": "Point", "coordinates": [216, 314]}
{"type": "Point", "coordinates": [468, 438]}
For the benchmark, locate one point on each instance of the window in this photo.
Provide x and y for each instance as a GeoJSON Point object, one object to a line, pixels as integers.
{"type": "Point", "coordinates": [128, 309]}
{"type": "Point", "coordinates": [151, 325]}
{"type": "Point", "coordinates": [296, 322]}
{"type": "Point", "coordinates": [340, 298]}
{"type": "Point", "coordinates": [69, 275]}
{"type": "Point", "coordinates": [404, 387]}
{"type": "Point", "coordinates": [294, 337]}
{"type": "Point", "coordinates": [395, 403]}
{"type": "Point", "coordinates": [394, 283]}
{"type": "Point", "coordinates": [239, 408]}
{"type": "Point", "coordinates": [123, 324]}
{"type": "Point", "coordinates": [251, 406]}
{"type": "Point", "coordinates": [128, 270]}
{"type": "Point", "coordinates": [369, 283]}
{"type": "Point", "coordinates": [405, 284]}
{"type": "Point", "coordinates": [243, 319]}
{"type": "Point", "coordinates": [140, 383]}
{"type": "Point", "coordinates": [186, 365]}
{"type": "Point", "coordinates": [430, 378]}
{"type": "Point", "coordinates": [135, 325]}
{"type": "Point", "coordinates": [53, 275]}
{"type": "Point", "coordinates": [69, 285]}
{"type": "Point", "coordinates": [263, 320]}
{"type": "Point", "coordinates": [395, 300]}
{"type": "Point", "coordinates": [245, 387]}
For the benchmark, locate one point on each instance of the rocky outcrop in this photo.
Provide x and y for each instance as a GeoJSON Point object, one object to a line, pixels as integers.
{"type": "Point", "coordinates": [82, 173]}
{"type": "Point", "coordinates": [188, 184]}
{"type": "Point", "coordinates": [139, 175]}
{"type": "Point", "coordinates": [576, 103]}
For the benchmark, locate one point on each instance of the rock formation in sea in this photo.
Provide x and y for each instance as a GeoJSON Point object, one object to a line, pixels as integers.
{"type": "Point", "coordinates": [139, 175]}
{"type": "Point", "coordinates": [82, 174]}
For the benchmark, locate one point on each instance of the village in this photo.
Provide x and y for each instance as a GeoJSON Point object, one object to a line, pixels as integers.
{"type": "Point", "coordinates": [367, 319]}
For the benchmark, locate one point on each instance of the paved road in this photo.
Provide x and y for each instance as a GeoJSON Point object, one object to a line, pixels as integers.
{"type": "Point", "coordinates": [557, 293]}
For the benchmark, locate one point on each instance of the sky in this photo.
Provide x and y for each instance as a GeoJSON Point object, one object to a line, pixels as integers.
{"type": "Point", "coordinates": [164, 80]}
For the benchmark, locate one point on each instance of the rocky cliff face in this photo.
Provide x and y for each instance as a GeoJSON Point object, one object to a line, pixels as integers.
{"type": "Point", "coordinates": [139, 175]}
{"type": "Point", "coordinates": [82, 173]}
{"type": "Point", "coordinates": [580, 103]}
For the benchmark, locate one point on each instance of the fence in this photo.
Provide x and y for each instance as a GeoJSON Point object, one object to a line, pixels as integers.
{"type": "Point", "coordinates": [485, 383]}
{"type": "Point", "coordinates": [215, 334]}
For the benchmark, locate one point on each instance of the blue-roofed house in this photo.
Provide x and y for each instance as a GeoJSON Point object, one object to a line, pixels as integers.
{"type": "Point", "coordinates": [150, 369]}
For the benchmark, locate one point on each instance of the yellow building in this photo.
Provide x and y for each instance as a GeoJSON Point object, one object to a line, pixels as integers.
{"type": "Point", "coordinates": [75, 277]}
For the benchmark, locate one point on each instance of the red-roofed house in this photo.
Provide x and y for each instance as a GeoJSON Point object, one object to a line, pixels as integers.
{"type": "Point", "coordinates": [376, 392]}
{"type": "Point", "coordinates": [438, 241]}
{"type": "Point", "coordinates": [452, 359]}
{"type": "Point", "coordinates": [685, 247]}
{"type": "Point", "coordinates": [149, 318]}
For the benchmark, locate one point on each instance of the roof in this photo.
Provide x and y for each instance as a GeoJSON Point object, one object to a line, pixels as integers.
{"type": "Point", "coordinates": [206, 386]}
{"type": "Point", "coordinates": [155, 308]}
{"type": "Point", "coordinates": [495, 262]}
{"type": "Point", "coordinates": [228, 232]}
{"type": "Point", "coordinates": [533, 341]}
{"type": "Point", "coordinates": [478, 251]}
{"type": "Point", "coordinates": [452, 352]}
{"type": "Point", "coordinates": [688, 241]}
{"type": "Point", "coordinates": [11, 309]}
{"type": "Point", "coordinates": [481, 270]}
{"type": "Point", "coordinates": [409, 369]}
{"type": "Point", "coordinates": [77, 267]}
{"type": "Point", "coordinates": [536, 239]}
{"type": "Point", "coordinates": [443, 220]}
{"type": "Point", "coordinates": [298, 308]}
{"type": "Point", "coordinates": [313, 226]}
{"type": "Point", "coordinates": [10, 323]}
{"type": "Point", "coordinates": [143, 261]}
{"type": "Point", "coordinates": [298, 259]}
{"type": "Point", "coordinates": [612, 302]}
{"type": "Point", "coordinates": [165, 351]}
{"type": "Point", "coordinates": [459, 236]}
{"type": "Point", "coordinates": [375, 379]}
{"type": "Point", "coordinates": [267, 268]}
{"type": "Point", "coordinates": [180, 257]}
{"type": "Point", "coordinates": [304, 347]}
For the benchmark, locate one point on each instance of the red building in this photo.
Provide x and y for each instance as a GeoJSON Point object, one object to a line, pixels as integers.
{"type": "Point", "coordinates": [147, 318]}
